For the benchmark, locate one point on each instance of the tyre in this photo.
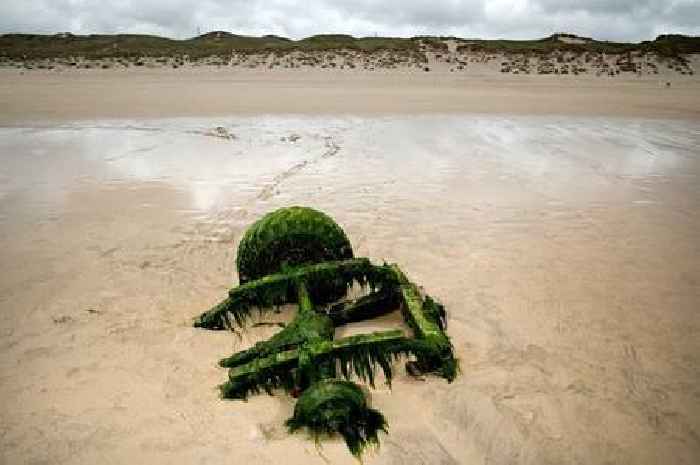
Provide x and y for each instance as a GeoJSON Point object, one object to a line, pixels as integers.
{"type": "Point", "coordinates": [335, 406]}
{"type": "Point", "coordinates": [290, 237]}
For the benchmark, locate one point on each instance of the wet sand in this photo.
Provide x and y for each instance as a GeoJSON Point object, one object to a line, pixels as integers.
{"type": "Point", "coordinates": [565, 249]}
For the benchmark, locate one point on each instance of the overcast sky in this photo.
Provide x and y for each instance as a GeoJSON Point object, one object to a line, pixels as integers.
{"type": "Point", "coordinates": [602, 19]}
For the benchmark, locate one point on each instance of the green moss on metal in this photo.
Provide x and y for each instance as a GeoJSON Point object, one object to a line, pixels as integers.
{"type": "Point", "coordinates": [291, 237]}
{"type": "Point", "coordinates": [301, 256]}
{"type": "Point", "coordinates": [370, 306]}
{"type": "Point", "coordinates": [323, 281]}
{"type": "Point", "coordinates": [317, 358]}
{"type": "Point", "coordinates": [427, 319]}
{"type": "Point", "coordinates": [434, 311]}
{"type": "Point", "coordinates": [338, 407]}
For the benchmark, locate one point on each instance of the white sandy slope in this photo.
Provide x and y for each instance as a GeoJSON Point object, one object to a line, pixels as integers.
{"type": "Point", "coordinates": [69, 94]}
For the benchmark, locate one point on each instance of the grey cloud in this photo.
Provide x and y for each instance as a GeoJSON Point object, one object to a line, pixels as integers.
{"type": "Point", "coordinates": [605, 7]}
{"type": "Point", "coordinates": [627, 19]}
{"type": "Point", "coordinates": [604, 19]}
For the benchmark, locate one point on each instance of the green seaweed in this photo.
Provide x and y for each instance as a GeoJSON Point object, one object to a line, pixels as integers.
{"type": "Point", "coordinates": [318, 358]}
{"type": "Point", "coordinates": [259, 367]}
{"type": "Point", "coordinates": [303, 357]}
{"type": "Point", "coordinates": [269, 373]}
{"type": "Point", "coordinates": [366, 307]}
{"type": "Point", "coordinates": [338, 407]}
{"type": "Point", "coordinates": [289, 237]}
{"type": "Point", "coordinates": [360, 355]}
{"type": "Point", "coordinates": [435, 312]}
{"type": "Point", "coordinates": [308, 325]}
{"type": "Point", "coordinates": [280, 288]}
{"type": "Point", "coordinates": [436, 353]}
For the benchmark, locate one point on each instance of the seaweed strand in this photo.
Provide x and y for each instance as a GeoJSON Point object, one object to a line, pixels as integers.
{"type": "Point", "coordinates": [322, 280]}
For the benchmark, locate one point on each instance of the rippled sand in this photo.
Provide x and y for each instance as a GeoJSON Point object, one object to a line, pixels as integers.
{"type": "Point", "coordinates": [566, 250]}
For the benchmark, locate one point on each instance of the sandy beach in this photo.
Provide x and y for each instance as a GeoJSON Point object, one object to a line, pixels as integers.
{"type": "Point", "coordinates": [564, 247]}
{"type": "Point", "coordinates": [510, 192]}
{"type": "Point", "coordinates": [28, 97]}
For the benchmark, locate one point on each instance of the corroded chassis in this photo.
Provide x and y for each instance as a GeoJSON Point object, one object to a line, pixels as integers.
{"type": "Point", "coordinates": [305, 351]}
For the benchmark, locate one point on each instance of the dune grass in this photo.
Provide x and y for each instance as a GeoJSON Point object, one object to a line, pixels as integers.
{"type": "Point", "coordinates": [99, 46]}
{"type": "Point", "coordinates": [96, 46]}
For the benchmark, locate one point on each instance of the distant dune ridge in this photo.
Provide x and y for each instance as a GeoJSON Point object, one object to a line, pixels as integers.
{"type": "Point", "coordinates": [561, 53]}
{"type": "Point", "coordinates": [69, 77]}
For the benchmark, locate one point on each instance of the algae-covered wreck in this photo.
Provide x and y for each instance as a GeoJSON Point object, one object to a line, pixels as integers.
{"type": "Point", "coordinates": [299, 255]}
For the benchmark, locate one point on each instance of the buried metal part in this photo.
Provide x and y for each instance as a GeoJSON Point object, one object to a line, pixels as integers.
{"type": "Point", "coordinates": [303, 358]}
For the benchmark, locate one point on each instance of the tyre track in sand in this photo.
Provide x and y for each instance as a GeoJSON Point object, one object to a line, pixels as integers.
{"type": "Point", "coordinates": [206, 237]}
{"type": "Point", "coordinates": [332, 149]}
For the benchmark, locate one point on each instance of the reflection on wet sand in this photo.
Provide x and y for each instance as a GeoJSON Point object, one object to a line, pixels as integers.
{"type": "Point", "coordinates": [565, 250]}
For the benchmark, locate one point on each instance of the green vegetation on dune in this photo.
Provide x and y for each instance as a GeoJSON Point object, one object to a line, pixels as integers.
{"type": "Point", "coordinates": [220, 43]}
{"type": "Point", "coordinates": [674, 44]}
{"type": "Point", "coordinates": [669, 45]}
{"type": "Point", "coordinates": [369, 44]}
{"type": "Point", "coordinates": [88, 46]}
{"type": "Point", "coordinates": [210, 44]}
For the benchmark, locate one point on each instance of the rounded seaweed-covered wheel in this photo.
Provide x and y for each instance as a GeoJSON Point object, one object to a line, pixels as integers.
{"type": "Point", "coordinates": [290, 236]}
{"type": "Point", "coordinates": [337, 406]}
